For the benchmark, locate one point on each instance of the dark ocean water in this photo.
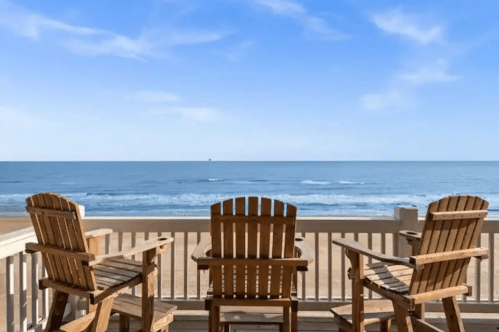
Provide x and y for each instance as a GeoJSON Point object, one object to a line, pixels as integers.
{"type": "Point", "coordinates": [189, 188]}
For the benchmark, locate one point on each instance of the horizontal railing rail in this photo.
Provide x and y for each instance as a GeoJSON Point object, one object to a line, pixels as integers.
{"type": "Point", "coordinates": [323, 286]}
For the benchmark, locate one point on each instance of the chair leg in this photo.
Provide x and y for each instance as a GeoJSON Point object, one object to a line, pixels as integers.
{"type": "Point", "coordinates": [420, 311]}
{"type": "Point", "coordinates": [286, 326]}
{"type": "Point", "coordinates": [102, 315]}
{"type": "Point", "coordinates": [90, 308]}
{"type": "Point", "coordinates": [124, 323]}
{"type": "Point", "coordinates": [386, 326]}
{"type": "Point", "coordinates": [453, 314]}
{"type": "Point", "coordinates": [149, 272]}
{"type": "Point", "coordinates": [215, 318]}
{"type": "Point", "coordinates": [57, 311]}
{"type": "Point", "coordinates": [357, 264]}
{"type": "Point", "coordinates": [402, 318]}
{"type": "Point", "coordinates": [294, 320]}
{"type": "Point", "coordinates": [210, 319]}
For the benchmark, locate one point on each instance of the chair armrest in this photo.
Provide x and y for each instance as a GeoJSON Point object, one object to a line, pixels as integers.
{"type": "Point", "coordinates": [421, 260]}
{"type": "Point", "coordinates": [158, 243]}
{"type": "Point", "coordinates": [201, 252]}
{"type": "Point", "coordinates": [304, 252]}
{"type": "Point", "coordinates": [98, 233]}
{"type": "Point", "coordinates": [363, 250]}
{"type": "Point", "coordinates": [411, 235]}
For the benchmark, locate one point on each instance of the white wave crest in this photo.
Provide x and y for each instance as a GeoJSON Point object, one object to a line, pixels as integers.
{"type": "Point", "coordinates": [316, 202]}
{"type": "Point", "coordinates": [350, 182]}
{"type": "Point", "coordinates": [315, 182]}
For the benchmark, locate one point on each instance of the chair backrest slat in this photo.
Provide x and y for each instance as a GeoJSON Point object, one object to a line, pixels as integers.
{"type": "Point", "coordinates": [289, 251]}
{"type": "Point", "coordinates": [57, 222]}
{"type": "Point", "coordinates": [252, 234]}
{"type": "Point", "coordinates": [228, 248]}
{"type": "Point", "coordinates": [277, 240]}
{"type": "Point", "coordinates": [265, 228]}
{"type": "Point", "coordinates": [239, 230]}
{"type": "Point", "coordinates": [240, 246]}
{"type": "Point", "coordinates": [216, 248]}
{"type": "Point", "coordinates": [443, 233]}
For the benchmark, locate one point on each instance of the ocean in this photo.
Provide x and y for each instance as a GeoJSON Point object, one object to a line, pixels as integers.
{"type": "Point", "coordinates": [189, 188]}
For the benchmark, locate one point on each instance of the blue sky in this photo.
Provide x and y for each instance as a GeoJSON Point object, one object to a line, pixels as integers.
{"type": "Point", "coordinates": [249, 80]}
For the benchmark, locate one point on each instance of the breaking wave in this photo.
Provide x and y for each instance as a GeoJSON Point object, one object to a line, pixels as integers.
{"type": "Point", "coordinates": [350, 182]}
{"type": "Point", "coordinates": [308, 204]}
{"type": "Point", "coordinates": [315, 182]}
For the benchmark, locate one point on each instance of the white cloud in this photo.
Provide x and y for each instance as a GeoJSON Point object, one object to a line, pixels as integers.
{"type": "Point", "coordinates": [154, 96]}
{"type": "Point", "coordinates": [315, 26]}
{"type": "Point", "coordinates": [91, 41]}
{"type": "Point", "coordinates": [319, 27]}
{"type": "Point", "coordinates": [32, 25]}
{"type": "Point", "coordinates": [396, 22]}
{"type": "Point", "coordinates": [435, 73]}
{"type": "Point", "coordinates": [382, 101]}
{"type": "Point", "coordinates": [236, 52]}
{"type": "Point", "coordinates": [196, 114]}
{"type": "Point", "coordinates": [188, 37]}
{"type": "Point", "coordinates": [118, 45]}
{"type": "Point", "coordinates": [426, 75]}
{"type": "Point", "coordinates": [283, 7]}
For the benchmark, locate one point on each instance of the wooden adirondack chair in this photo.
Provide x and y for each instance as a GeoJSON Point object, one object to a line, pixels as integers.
{"type": "Point", "coordinates": [74, 269]}
{"type": "Point", "coordinates": [446, 245]}
{"type": "Point", "coordinates": [262, 270]}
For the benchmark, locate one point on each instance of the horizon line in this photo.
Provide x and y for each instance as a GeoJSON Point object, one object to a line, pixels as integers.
{"type": "Point", "coordinates": [234, 161]}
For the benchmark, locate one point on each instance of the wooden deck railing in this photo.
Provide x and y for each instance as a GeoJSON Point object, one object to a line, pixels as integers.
{"type": "Point", "coordinates": [324, 285]}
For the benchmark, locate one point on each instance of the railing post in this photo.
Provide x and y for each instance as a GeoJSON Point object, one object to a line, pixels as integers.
{"type": "Point", "coordinates": [23, 288]}
{"type": "Point", "coordinates": [82, 210]}
{"type": "Point", "coordinates": [10, 293]}
{"type": "Point", "coordinates": [408, 220]}
{"type": "Point", "coordinates": [35, 309]}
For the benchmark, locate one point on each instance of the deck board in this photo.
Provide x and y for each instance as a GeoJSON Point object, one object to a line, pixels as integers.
{"type": "Point", "coordinates": [197, 321]}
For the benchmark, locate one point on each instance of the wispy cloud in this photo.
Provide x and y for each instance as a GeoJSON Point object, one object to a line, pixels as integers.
{"type": "Point", "coordinates": [411, 26]}
{"type": "Point", "coordinates": [435, 73]}
{"type": "Point", "coordinates": [284, 7]}
{"type": "Point", "coordinates": [117, 45]}
{"type": "Point", "coordinates": [236, 52]}
{"type": "Point", "coordinates": [402, 87]}
{"type": "Point", "coordinates": [400, 97]}
{"type": "Point", "coordinates": [154, 96]}
{"type": "Point", "coordinates": [383, 101]}
{"type": "Point", "coordinates": [195, 114]}
{"type": "Point", "coordinates": [93, 41]}
{"type": "Point", "coordinates": [32, 25]}
{"type": "Point", "coordinates": [313, 25]}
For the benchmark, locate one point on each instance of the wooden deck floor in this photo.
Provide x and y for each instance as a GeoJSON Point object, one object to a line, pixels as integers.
{"type": "Point", "coordinates": [197, 321]}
